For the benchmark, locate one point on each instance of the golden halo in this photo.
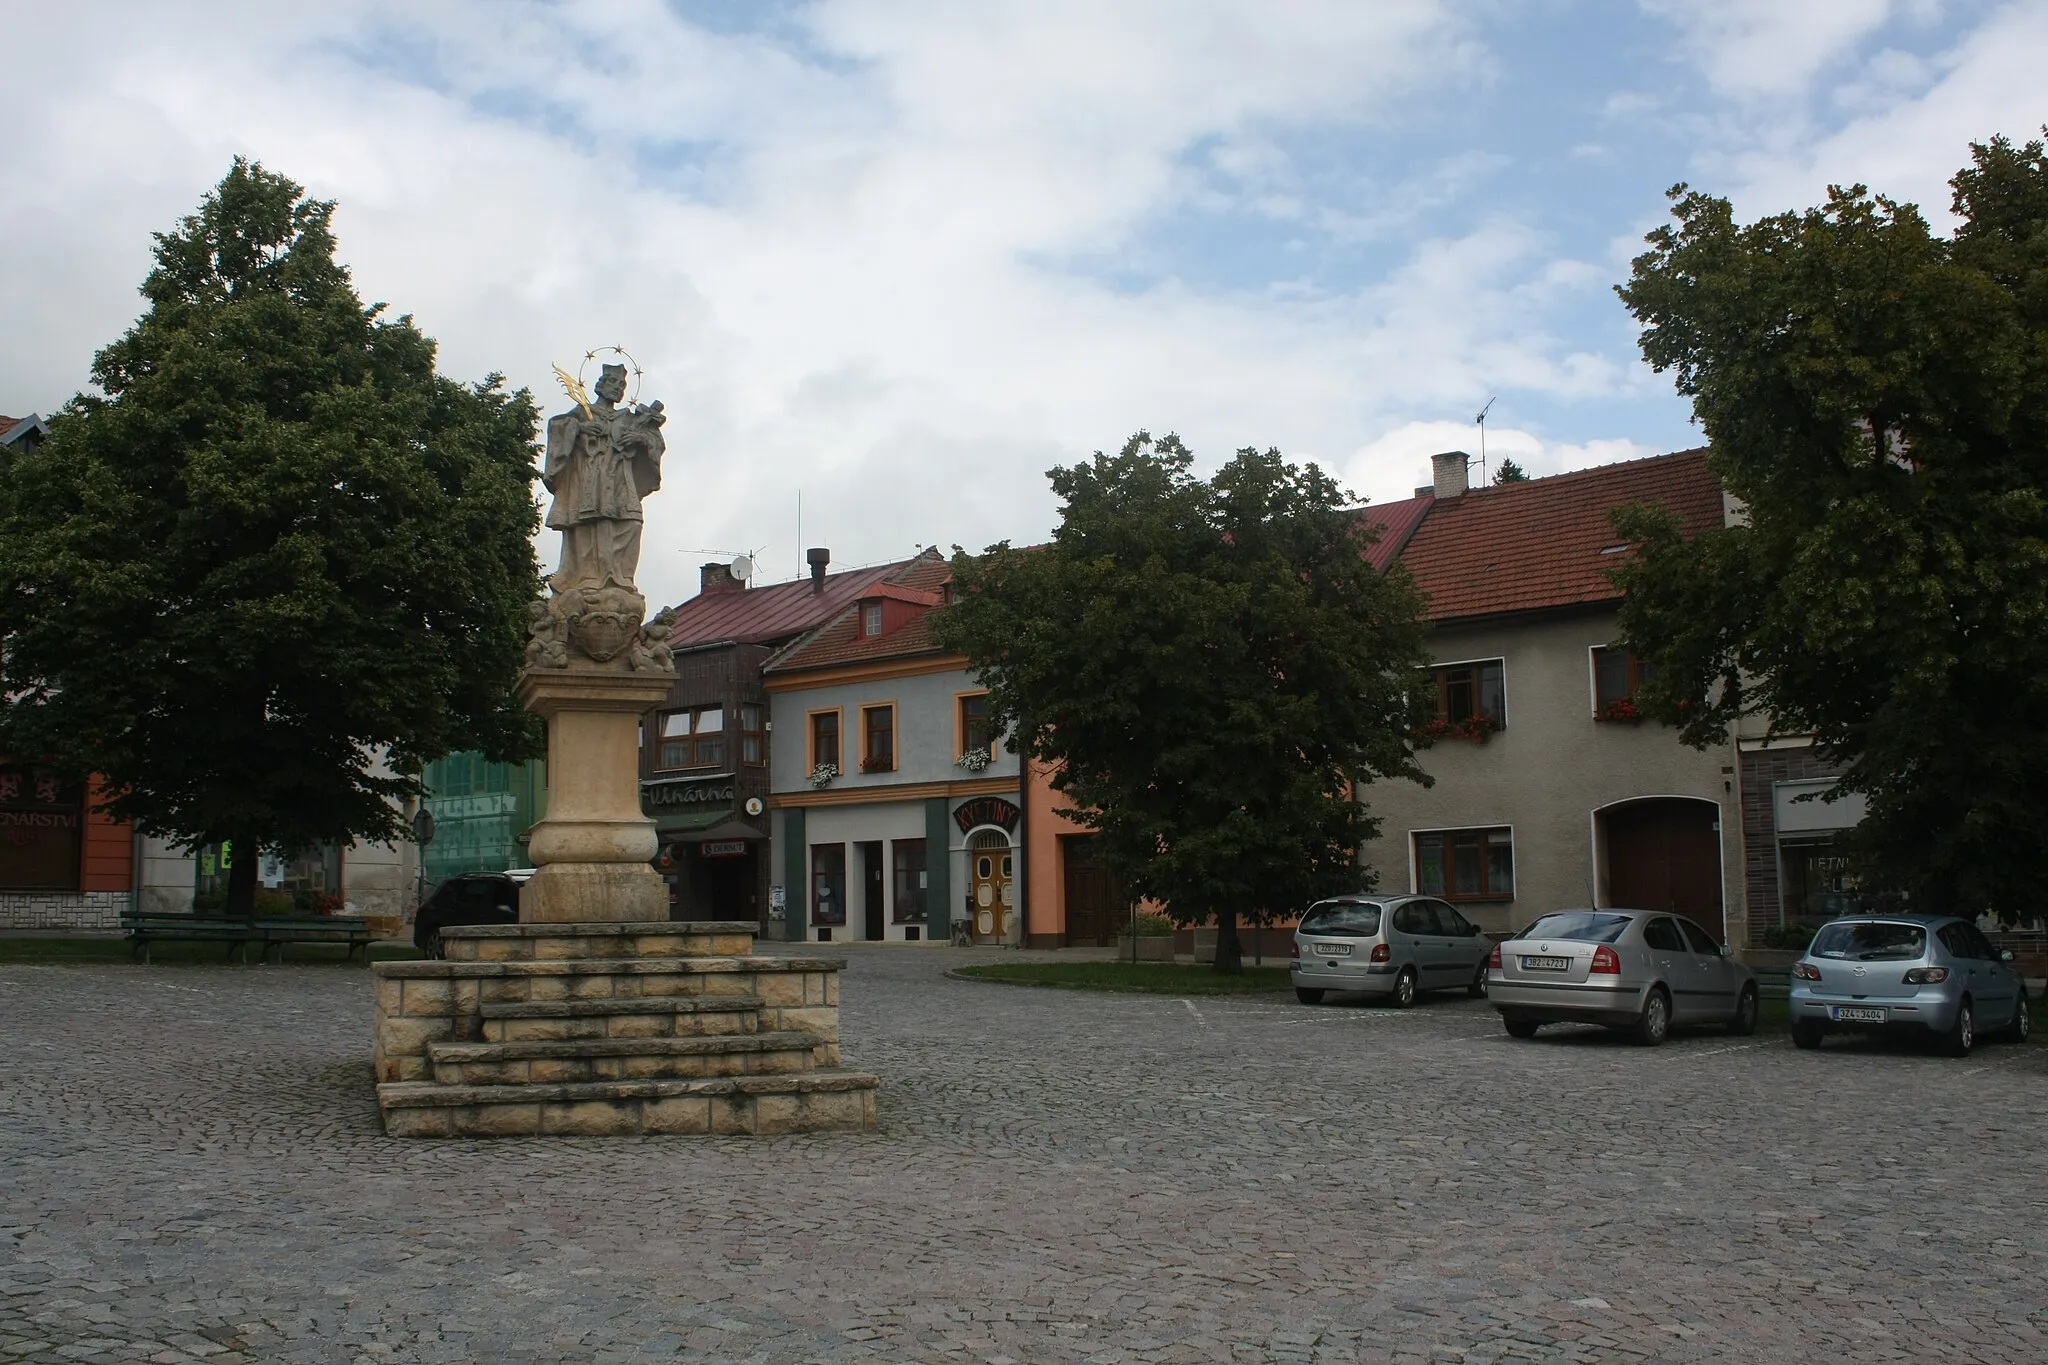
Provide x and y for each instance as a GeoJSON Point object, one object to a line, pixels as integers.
{"type": "Point", "coordinates": [622, 353]}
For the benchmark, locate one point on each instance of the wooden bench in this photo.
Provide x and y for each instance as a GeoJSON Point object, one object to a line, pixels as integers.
{"type": "Point", "coordinates": [352, 931]}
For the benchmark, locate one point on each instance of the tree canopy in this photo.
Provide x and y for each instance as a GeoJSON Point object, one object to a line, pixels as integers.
{"type": "Point", "coordinates": [276, 563]}
{"type": "Point", "coordinates": [1510, 472]}
{"type": "Point", "coordinates": [1210, 665]}
{"type": "Point", "coordinates": [1876, 395]}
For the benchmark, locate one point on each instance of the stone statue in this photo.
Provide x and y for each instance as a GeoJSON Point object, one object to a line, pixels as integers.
{"type": "Point", "coordinates": [601, 460]}
{"type": "Point", "coordinates": [547, 645]}
{"type": "Point", "coordinates": [651, 649]}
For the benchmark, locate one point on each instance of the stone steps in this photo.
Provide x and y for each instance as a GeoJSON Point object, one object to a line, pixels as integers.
{"type": "Point", "coordinates": [632, 1017]}
{"type": "Point", "coordinates": [630, 1059]}
{"type": "Point", "coordinates": [725, 1104]}
{"type": "Point", "coordinates": [612, 1028]}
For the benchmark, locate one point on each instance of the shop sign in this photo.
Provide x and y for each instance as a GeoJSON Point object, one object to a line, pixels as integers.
{"type": "Point", "coordinates": [987, 810]}
{"type": "Point", "coordinates": [696, 793]}
{"type": "Point", "coordinates": [724, 848]}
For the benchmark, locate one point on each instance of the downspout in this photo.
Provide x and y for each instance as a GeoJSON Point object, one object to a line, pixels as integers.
{"type": "Point", "coordinates": [1024, 851]}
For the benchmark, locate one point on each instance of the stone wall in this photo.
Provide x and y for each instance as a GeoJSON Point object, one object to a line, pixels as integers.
{"type": "Point", "coordinates": [62, 909]}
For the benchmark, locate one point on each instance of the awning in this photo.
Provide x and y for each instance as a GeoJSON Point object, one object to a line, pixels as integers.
{"type": "Point", "coordinates": [705, 827]}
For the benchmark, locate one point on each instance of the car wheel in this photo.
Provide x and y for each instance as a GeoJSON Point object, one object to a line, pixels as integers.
{"type": "Point", "coordinates": [1744, 1022]}
{"type": "Point", "coordinates": [430, 944]}
{"type": "Point", "coordinates": [1807, 1034]}
{"type": "Point", "coordinates": [1404, 988]}
{"type": "Point", "coordinates": [1477, 988]}
{"type": "Point", "coordinates": [1962, 1035]}
{"type": "Point", "coordinates": [1519, 1028]}
{"type": "Point", "coordinates": [1653, 1025]}
{"type": "Point", "coordinates": [2022, 1021]}
{"type": "Point", "coordinates": [1309, 995]}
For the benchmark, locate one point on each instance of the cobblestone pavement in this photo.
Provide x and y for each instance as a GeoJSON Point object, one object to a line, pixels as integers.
{"type": "Point", "coordinates": [191, 1169]}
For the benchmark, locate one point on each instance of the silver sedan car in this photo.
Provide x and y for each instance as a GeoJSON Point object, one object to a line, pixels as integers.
{"type": "Point", "coordinates": [1629, 969]}
{"type": "Point", "coordinates": [1933, 974]}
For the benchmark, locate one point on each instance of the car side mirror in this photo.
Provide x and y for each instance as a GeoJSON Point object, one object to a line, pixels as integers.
{"type": "Point", "coordinates": [2005, 955]}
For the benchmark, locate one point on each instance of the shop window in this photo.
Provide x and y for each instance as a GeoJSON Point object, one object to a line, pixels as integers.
{"type": "Point", "coordinates": [908, 857]}
{"type": "Point", "coordinates": [828, 884]}
{"type": "Point", "coordinates": [307, 882]}
{"type": "Point", "coordinates": [691, 739]}
{"type": "Point", "coordinates": [878, 739]}
{"type": "Point", "coordinates": [824, 738]}
{"type": "Point", "coordinates": [753, 736]}
{"type": "Point", "coordinates": [42, 826]}
{"type": "Point", "coordinates": [977, 731]}
{"type": "Point", "coordinates": [1472, 692]}
{"type": "Point", "coordinates": [1466, 864]}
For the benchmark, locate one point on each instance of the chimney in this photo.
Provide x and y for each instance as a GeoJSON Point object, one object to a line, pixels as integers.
{"type": "Point", "coordinates": [818, 558]}
{"type": "Point", "coordinates": [1449, 470]}
{"type": "Point", "coordinates": [718, 578]}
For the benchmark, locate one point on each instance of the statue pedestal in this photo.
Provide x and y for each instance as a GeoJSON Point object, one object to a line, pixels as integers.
{"type": "Point", "coordinates": [593, 852]}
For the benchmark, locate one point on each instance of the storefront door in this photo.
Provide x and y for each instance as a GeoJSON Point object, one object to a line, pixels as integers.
{"type": "Point", "coordinates": [989, 879]}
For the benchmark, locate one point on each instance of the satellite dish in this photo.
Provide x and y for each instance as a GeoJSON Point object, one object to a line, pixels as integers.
{"type": "Point", "coordinates": [742, 568]}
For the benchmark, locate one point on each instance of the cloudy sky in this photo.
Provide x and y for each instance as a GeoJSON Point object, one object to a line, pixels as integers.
{"type": "Point", "coordinates": [898, 258]}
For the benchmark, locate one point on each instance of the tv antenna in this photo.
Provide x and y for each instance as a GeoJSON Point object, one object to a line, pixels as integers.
{"type": "Point", "coordinates": [1481, 420]}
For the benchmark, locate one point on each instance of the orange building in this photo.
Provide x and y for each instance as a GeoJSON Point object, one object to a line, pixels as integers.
{"type": "Point", "coordinates": [62, 864]}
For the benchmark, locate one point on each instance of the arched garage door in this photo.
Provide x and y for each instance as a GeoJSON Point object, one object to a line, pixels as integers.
{"type": "Point", "coordinates": [1664, 853]}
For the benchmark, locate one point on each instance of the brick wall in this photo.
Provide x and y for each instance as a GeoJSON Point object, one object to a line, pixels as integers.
{"type": "Point", "coordinates": [1761, 768]}
{"type": "Point", "coordinates": [62, 909]}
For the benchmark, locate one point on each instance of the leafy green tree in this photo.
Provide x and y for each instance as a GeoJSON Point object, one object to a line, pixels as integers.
{"type": "Point", "coordinates": [1510, 472]}
{"type": "Point", "coordinates": [1211, 665]}
{"type": "Point", "coordinates": [276, 563]}
{"type": "Point", "coordinates": [1877, 396]}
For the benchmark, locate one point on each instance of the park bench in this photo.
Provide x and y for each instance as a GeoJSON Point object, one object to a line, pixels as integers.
{"type": "Point", "coordinates": [352, 931]}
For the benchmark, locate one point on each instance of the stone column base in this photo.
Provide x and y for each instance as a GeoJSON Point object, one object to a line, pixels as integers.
{"type": "Point", "coordinates": [597, 893]}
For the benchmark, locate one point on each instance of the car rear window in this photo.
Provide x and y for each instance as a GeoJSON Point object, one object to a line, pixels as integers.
{"type": "Point", "coordinates": [1869, 941]}
{"type": "Point", "coordinates": [1354, 919]}
{"type": "Point", "coordinates": [1580, 926]}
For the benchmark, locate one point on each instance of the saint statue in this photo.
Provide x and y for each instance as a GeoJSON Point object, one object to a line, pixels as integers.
{"type": "Point", "coordinates": [601, 460]}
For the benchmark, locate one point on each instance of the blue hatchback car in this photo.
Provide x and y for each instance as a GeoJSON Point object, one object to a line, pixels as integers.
{"type": "Point", "coordinates": [1925, 973]}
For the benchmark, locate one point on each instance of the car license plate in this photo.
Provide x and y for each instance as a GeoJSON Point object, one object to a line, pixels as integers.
{"type": "Point", "coordinates": [1856, 1014]}
{"type": "Point", "coordinates": [1333, 950]}
{"type": "Point", "coordinates": [1546, 964]}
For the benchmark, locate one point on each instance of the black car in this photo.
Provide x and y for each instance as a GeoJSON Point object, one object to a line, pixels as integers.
{"type": "Point", "coordinates": [467, 898]}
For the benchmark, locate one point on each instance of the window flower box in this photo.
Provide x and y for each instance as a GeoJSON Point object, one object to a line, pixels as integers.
{"type": "Point", "coordinates": [875, 763]}
{"type": "Point", "coordinates": [974, 760]}
{"type": "Point", "coordinates": [1474, 729]}
{"type": "Point", "coordinates": [823, 775]}
{"type": "Point", "coordinates": [1619, 711]}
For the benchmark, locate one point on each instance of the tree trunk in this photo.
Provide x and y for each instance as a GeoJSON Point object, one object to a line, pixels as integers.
{"type": "Point", "coordinates": [1229, 952]}
{"type": "Point", "coordinates": [243, 863]}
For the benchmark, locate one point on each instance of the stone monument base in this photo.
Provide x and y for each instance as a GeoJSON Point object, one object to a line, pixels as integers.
{"type": "Point", "coordinates": [612, 1028]}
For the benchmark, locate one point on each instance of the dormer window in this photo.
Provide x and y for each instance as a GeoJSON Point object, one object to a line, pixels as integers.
{"type": "Point", "coordinates": [871, 618]}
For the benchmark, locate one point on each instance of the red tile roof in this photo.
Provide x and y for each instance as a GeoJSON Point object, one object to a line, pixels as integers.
{"type": "Point", "coordinates": [1547, 542]}
{"type": "Point", "coordinates": [1396, 522]}
{"type": "Point", "coordinates": [841, 641]}
{"type": "Point", "coordinates": [771, 614]}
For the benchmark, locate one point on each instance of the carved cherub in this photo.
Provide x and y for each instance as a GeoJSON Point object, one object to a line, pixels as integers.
{"type": "Point", "coordinates": [651, 649]}
{"type": "Point", "coordinates": [546, 648]}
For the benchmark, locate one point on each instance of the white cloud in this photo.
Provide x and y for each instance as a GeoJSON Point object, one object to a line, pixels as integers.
{"type": "Point", "coordinates": [832, 268]}
{"type": "Point", "coordinates": [1908, 145]}
{"type": "Point", "coordinates": [1764, 48]}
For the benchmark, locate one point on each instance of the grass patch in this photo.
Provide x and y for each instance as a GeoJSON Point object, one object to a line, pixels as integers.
{"type": "Point", "coordinates": [1145, 978]}
{"type": "Point", "coordinates": [86, 952]}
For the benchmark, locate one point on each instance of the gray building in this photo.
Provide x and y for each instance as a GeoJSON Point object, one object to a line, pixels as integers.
{"type": "Point", "coordinates": [1551, 789]}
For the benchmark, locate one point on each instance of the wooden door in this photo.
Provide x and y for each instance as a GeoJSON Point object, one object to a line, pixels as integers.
{"type": "Point", "coordinates": [989, 871]}
{"type": "Point", "coordinates": [1665, 854]}
{"type": "Point", "coordinates": [871, 888]}
{"type": "Point", "coordinates": [1096, 913]}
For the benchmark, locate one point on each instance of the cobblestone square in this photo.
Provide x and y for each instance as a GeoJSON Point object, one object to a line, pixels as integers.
{"type": "Point", "coordinates": [193, 1171]}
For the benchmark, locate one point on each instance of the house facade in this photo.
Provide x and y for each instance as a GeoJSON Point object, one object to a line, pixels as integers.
{"type": "Point", "coordinates": [897, 812]}
{"type": "Point", "coordinates": [1550, 790]}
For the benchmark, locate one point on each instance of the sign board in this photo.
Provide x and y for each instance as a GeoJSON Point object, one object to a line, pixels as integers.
{"type": "Point", "coordinates": [778, 898]}
{"type": "Point", "coordinates": [987, 810]}
{"type": "Point", "coordinates": [723, 848]}
{"type": "Point", "coordinates": [688, 793]}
